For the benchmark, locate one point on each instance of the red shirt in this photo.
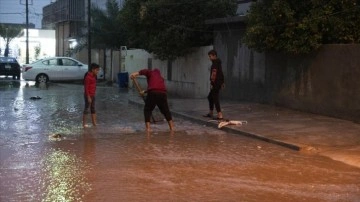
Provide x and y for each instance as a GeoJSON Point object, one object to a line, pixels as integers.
{"type": "Point", "coordinates": [90, 84]}
{"type": "Point", "coordinates": [154, 80]}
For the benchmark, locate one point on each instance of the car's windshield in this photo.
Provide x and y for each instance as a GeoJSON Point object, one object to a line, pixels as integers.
{"type": "Point", "coordinates": [7, 59]}
{"type": "Point", "coordinates": [36, 61]}
{"type": "Point", "coordinates": [68, 62]}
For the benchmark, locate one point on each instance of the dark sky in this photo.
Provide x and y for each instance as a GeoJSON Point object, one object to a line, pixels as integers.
{"type": "Point", "coordinates": [12, 11]}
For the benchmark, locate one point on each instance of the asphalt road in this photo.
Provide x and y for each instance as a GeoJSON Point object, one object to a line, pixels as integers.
{"type": "Point", "coordinates": [46, 155]}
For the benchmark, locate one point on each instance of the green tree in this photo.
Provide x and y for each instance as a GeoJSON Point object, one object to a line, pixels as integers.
{"type": "Point", "coordinates": [298, 27]}
{"type": "Point", "coordinates": [37, 50]}
{"type": "Point", "coordinates": [8, 33]}
{"type": "Point", "coordinates": [107, 30]}
{"type": "Point", "coordinates": [171, 28]}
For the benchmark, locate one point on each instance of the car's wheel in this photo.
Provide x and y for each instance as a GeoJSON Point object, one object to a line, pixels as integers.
{"type": "Point", "coordinates": [17, 76]}
{"type": "Point", "coordinates": [42, 78]}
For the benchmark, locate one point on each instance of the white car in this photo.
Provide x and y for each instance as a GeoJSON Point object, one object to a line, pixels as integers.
{"type": "Point", "coordinates": [56, 69]}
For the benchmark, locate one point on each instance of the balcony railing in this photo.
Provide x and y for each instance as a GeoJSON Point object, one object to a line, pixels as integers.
{"type": "Point", "coordinates": [64, 10]}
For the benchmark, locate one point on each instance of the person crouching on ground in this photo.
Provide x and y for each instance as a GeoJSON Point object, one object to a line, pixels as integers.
{"type": "Point", "coordinates": [156, 96]}
{"type": "Point", "coordinates": [216, 83]}
{"type": "Point", "coordinates": [89, 93]}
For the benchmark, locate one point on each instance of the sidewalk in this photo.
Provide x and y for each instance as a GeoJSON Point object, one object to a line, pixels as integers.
{"type": "Point", "coordinates": [305, 132]}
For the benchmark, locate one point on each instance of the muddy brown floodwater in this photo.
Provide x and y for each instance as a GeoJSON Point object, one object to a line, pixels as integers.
{"type": "Point", "coordinates": [45, 155]}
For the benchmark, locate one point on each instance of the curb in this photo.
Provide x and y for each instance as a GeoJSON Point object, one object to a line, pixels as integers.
{"type": "Point", "coordinates": [227, 129]}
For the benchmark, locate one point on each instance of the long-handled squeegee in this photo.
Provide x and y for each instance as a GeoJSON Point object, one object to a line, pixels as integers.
{"type": "Point", "coordinates": [142, 94]}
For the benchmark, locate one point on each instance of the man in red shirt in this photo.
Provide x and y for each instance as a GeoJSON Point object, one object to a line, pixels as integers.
{"type": "Point", "coordinates": [156, 96]}
{"type": "Point", "coordinates": [89, 93]}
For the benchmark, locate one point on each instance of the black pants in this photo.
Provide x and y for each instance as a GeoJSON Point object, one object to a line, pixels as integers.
{"type": "Point", "coordinates": [154, 99]}
{"type": "Point", "coordinates": [88, 106]}
{"type": "Point", "coordinates": [213, 98]}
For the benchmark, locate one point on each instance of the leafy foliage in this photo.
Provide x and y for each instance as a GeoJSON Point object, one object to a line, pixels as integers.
{"type": "Point", "coordinates": [37, 50]}
{"type": "Point", "coordinates": [107, 28]}
{"type": "Point", "coordinates": [302, 26]}
{"type": "Point", "coordinates": [170, 28]}
{"type": "Point", "coordinates": [8, 33]}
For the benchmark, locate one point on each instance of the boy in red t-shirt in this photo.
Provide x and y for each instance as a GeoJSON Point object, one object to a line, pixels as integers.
{"type": "Point", "coordinates": [89, 93]}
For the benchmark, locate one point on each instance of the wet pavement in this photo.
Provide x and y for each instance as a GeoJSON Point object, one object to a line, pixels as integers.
{"type": "Point", "coordinates": [306, 132]}
{"type": "Point", "coordinates": [45, 154]}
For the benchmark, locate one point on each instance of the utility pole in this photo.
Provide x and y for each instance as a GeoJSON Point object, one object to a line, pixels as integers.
{"type": "Point", "coordinates": [6, 53]}
{"type": "Point", "coordinates": [27, 31]}
{"type": "Point", "coordinates": [27, 28]}
{"type": "Point", "coordinates": [89, 32]}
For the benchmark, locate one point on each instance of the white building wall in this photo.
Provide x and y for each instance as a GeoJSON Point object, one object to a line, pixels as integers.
{"type": "Point", "coordinates": [45, 39]}
{"type": "Point", "coordinates": [190, 75]}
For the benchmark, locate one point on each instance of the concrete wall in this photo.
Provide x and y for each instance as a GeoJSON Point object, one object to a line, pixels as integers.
{"type": "Point", "coordinates": [62, 35]}
{"type": "Point", "coordinates": [185, 77]}
{"type": "Point", "coordinates": [116, 65]}
{"type": "Point", "coordinates": [325, 82]}
{"type": "Point", "coordinates": [244, 69]}
{"type": "Point", "coordinates": [109, 61]}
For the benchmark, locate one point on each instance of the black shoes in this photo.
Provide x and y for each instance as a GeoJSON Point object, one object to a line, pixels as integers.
{"type": "Point", "coordinates": [208, 115]}
{"type": "Point", "coordinates": [211, 116]}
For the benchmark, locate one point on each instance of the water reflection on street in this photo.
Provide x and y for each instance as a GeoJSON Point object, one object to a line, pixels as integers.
{"type": "Point", "coordinates": [46, 155]}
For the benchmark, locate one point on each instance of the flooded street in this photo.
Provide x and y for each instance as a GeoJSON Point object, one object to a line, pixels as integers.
{"type": "Point", "coordinates": [46, 155]}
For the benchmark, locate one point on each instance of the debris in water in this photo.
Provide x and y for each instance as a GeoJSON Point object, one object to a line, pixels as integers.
{"type": "Point", "coordinates": [35, 98]}
{"type": "Point", "coordinates": [55, 137]}
{"type": "Point", "coordinates": [231, 122]}
{"type": "Point", "coordinates": [310, 149]}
